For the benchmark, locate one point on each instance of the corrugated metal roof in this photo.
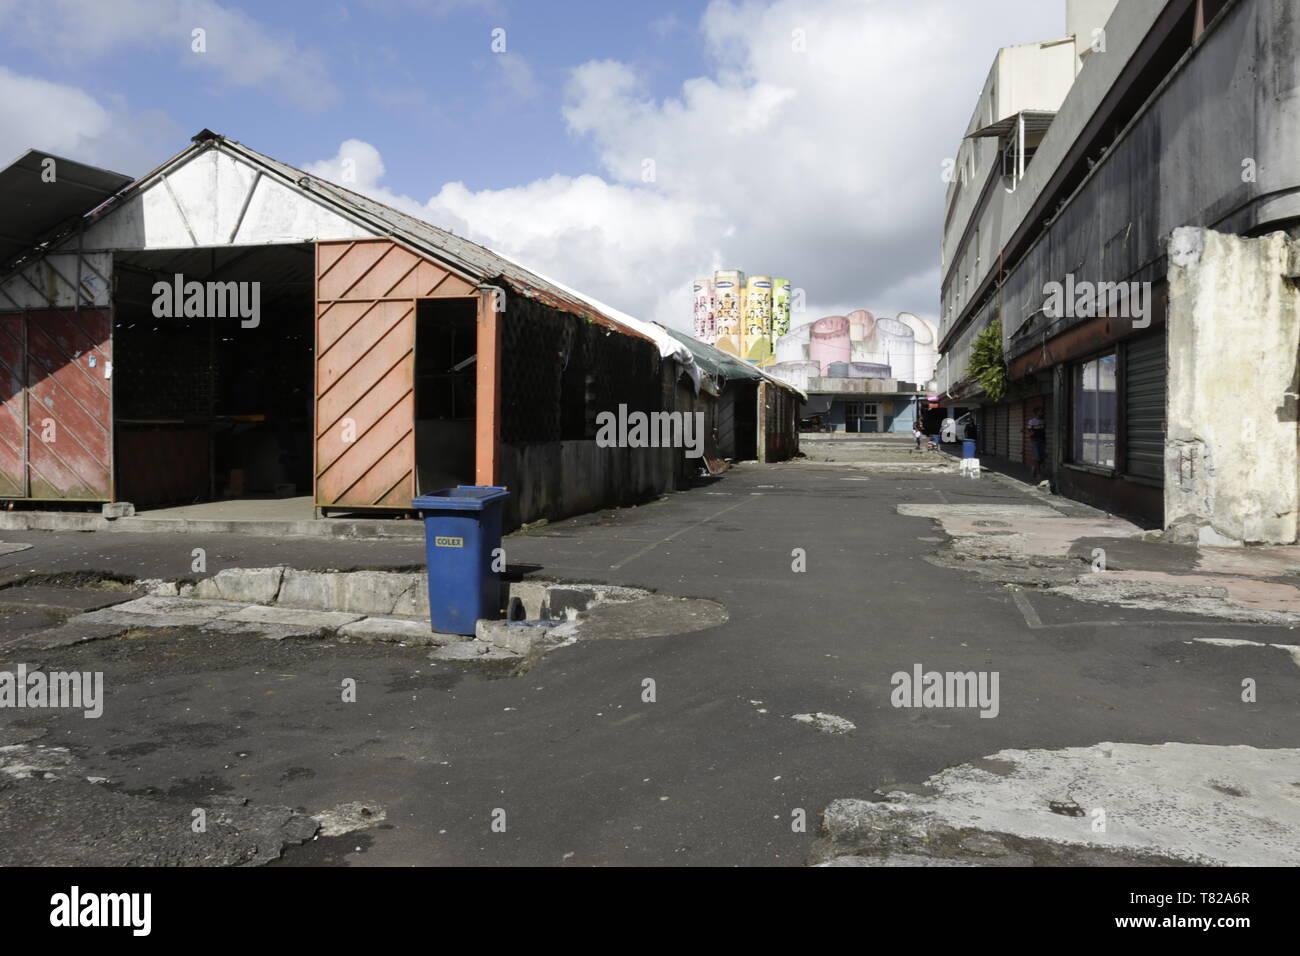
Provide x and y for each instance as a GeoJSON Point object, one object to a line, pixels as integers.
{"type": "Point", "coordinates": [32, 208]}
{"type": "Point", "coordinates": [722, 365]}
{"type": "Point", "coordinates": [473, 261]}
{"type": "Point", "coordinates": [467, 256]}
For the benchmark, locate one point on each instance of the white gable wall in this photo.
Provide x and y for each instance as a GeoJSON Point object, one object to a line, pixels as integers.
{"type": "Point", "coordinates": [200, 204]}
{"type": "Point", "coordinates": [213, 199]}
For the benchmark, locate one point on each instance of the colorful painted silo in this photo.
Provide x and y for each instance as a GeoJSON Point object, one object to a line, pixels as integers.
{"type": "Point", "coordinates": [780, 308]}
{"type": "Point", "coordinates": [757, 342]}
{"type": "Point", "coordinates": [705, 311]}
{"type": "Point", "coordinates": [729, 290]}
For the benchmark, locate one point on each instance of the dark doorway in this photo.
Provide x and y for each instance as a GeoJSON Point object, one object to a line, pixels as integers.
{"type": "Point", "coordinates": [217, 405]}
{"type": "Point", "coordinates": [446, 350]}
{"type": "Point", "coordinates": [746, 418]}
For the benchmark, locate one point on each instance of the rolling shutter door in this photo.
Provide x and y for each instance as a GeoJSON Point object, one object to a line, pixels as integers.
{"type": "Point", "coordinates": [1016, 432]}
{"type": "Point", "coordinates": [1144, 408]}
{"type": "Point", "coordinates": [727, 423]}
{"type": "Point", "coordinates": [1050, 444]}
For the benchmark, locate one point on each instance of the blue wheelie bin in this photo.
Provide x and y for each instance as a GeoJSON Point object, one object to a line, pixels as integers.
{"type": "Point", "coordinates": [968, 448]}
{"type": "Point", "coordinates": [462, 527]}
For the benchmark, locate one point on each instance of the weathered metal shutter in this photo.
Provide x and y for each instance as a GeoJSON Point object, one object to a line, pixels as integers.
{"type": "Point", "coordinates": [56, 411]}
{"type": "Point", "coordinates": [1145, 368]}
{"type": "Point", "coordinates": [1016, 431]}
{"type": "Point", "coordinates": [727, 423]}
{"type": "Point", "coordinates": [1049, 445]}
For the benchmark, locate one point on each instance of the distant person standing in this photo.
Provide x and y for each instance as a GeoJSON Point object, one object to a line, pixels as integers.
{"type": "Point", "coordinates": [917, 433]}
{"type": "Point", "coordinates": [1036, 429]}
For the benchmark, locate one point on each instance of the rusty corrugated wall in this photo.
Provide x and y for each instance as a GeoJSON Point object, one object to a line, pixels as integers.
{"type": "Point", "coordinates": [365, 369]}
{"type": "Point", "coordinates": [56, 421]}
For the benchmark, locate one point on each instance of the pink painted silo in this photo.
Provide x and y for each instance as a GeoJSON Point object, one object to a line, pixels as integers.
{"type": "Point", "coordinates": [830, 341]}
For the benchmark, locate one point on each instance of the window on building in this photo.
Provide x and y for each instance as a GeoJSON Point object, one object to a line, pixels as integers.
{"type": "Point", "coordinates": [1094, 412]}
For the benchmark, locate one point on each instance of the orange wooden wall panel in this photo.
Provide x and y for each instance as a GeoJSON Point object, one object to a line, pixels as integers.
{"type": "Point", "coordinates": [365, 372]}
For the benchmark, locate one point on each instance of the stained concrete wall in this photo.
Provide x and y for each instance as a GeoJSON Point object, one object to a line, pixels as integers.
{"type": "Point", "coordinates": [554, 480]}
{"type": "Point", "coordinates": [1231, 454]}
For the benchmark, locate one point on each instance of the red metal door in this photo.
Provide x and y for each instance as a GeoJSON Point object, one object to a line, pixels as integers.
{"type": "Point", "coordinates": [70, 404]}
{"type": "Point", "coordinates": [57, 406]}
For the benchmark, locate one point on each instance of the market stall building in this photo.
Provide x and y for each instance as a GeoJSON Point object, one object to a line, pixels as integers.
{"type": "Point", "coordinates": [229, 326]}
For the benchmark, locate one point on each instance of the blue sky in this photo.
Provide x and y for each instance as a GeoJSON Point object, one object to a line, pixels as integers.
{"type": "Point", "coordinates": [404, 75]}
{"type": "Point", "coordinates": [816, 160]}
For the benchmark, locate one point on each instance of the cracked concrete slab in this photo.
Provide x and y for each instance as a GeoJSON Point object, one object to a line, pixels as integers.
{"type": "Point", "coordinates": [1034, 546]}
{"type": "Point", "coordinates": [1293, 650]}
{"type": "Point", "coordinates": [390, 630]}
{"type": "Point", "coordinates": [1193, 803]}
{"type": "Point", "coordinates": [473, 651]}
{"type": "Point", "coordinates": [51, 814]}
{"type": "Point", "coordinates": [189, 610]}
{"type": "Point", "coordinates": [76, 631]}
{"type": "Point", "coordinates": [349, 817]}
{"type": "Point", "coordinates": [249, 585]}
{"type": "Point", "coordinates": [1237, 599]}
{"type": "Point", "coordinates": [68, 600]}
{"type": "Point", "coordinates": [362, 592]}
{"type": "Point", "coordinates": [320, 620]}
{"type": "Point", "coordinates": [826, 723]}
{"type": "Point", "coordinates": [897, 859]}
{"type": "Point", "coordinates": [1252, 562]}
{"type": "Point", "coordinates": [945, 511]}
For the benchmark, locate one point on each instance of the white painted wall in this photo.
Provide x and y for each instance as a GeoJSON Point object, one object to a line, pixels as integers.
{"type": "Point", "coordinates": [51, 283]}
{"type": "Point", "coordinates": [199, 204]}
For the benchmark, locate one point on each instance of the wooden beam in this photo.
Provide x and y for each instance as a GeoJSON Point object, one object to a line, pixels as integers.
{"type": "Point", "coordinates": [487, 424]}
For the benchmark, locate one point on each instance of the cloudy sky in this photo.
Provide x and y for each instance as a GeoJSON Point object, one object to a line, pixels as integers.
{"type": "Point", "coordinates": [622, 148]}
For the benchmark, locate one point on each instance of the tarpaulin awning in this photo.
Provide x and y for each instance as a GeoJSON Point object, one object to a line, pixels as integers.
{"type": "Point", "coordinates": [816, 405]}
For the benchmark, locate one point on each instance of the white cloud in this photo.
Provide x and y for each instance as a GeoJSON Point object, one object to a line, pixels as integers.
{"type": "Point", "coordinates": [67, 121]}
{"type": "Point", "coordinates": [822, 166]}
{"type": "Point", "coordinates": [240, 52]}
{"type": "Point", "coordinates": [357, 165]}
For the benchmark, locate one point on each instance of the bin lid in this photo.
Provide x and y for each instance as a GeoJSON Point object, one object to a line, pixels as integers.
{"type": "Point", "coordinates": [460, 498]}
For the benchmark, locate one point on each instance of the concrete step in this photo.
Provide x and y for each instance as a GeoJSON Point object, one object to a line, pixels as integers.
{"type": "Point", "coordinates": [267, 528]}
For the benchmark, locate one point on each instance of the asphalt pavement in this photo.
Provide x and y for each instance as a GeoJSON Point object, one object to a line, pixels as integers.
{"type": "Point", "coordinates": [646, 750]}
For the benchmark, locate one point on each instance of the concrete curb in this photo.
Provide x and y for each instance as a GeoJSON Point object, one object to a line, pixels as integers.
{"type": "Point", "coordinates": [315, 528]}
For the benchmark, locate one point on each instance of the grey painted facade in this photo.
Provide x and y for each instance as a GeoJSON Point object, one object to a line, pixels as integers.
{"type": "Point", "coordinates": [1191, 118]}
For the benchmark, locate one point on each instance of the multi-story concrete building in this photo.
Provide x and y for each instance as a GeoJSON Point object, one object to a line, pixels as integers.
{"type": "Point", "coordinates": [1126, 204]}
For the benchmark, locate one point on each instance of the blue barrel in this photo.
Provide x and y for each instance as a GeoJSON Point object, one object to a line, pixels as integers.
{"type": "Point", "coordinates": [968, 448]}
{"type": "Point", "coordinates": [462, 527]}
